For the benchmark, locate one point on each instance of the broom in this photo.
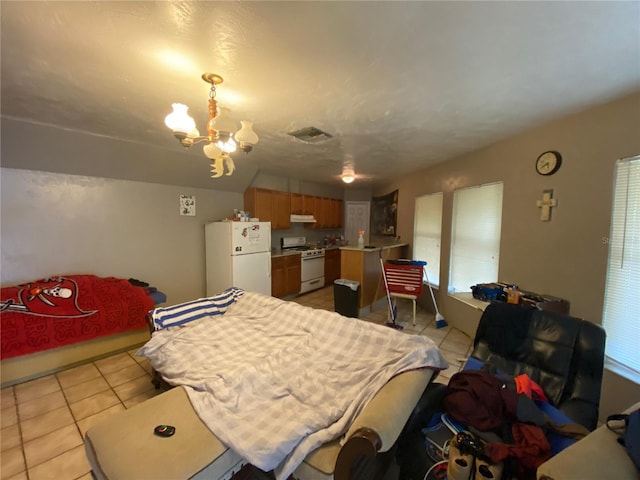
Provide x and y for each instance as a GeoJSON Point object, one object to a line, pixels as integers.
{"type": "Point", "coordinates": [440, 321]}
{"type": "Point", "coordinates": [392, 308]}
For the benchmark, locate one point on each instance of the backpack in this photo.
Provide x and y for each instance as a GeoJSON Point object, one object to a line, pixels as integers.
{"type": "Point", "coordinates": [629, 434]}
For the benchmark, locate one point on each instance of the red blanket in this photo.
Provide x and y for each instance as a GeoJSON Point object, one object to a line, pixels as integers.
{"type": "Point", "coordinates": [58, 311]}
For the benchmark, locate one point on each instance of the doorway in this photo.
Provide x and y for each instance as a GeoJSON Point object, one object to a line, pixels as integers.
{"type": "Point", "coordinates": [357, 217]}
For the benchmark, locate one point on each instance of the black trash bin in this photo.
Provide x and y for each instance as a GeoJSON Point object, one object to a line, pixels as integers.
{"type": "Point", "coordinates": [346, 297]}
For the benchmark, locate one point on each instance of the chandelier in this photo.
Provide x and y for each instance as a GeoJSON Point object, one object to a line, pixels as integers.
{"type": "Point", "coordinates": [221, 135]}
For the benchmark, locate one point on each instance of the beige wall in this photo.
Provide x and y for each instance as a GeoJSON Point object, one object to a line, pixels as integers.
{"type": "Point", "coordinates": [565, 257]}
{"type": "Point", "coordinates": [62, 224]}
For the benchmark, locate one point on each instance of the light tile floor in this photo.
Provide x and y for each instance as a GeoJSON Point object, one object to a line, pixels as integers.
{"type": "Point", "coordinates": [44, 420]}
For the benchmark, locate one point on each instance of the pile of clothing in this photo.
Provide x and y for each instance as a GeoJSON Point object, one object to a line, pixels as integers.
{"type": "Point", "coordinates": [505, 429]}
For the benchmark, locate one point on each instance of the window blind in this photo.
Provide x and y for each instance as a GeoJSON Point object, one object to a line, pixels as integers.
{"type": "Point", "coordinates": [475, 236]}
{"type": "Point", "coordinates": [621, 315]}
{"type": "Point", "coordinates": [427, 231]}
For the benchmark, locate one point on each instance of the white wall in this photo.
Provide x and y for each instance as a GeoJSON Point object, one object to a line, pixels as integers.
{"type": "Point", "coordinates": [65, 224]}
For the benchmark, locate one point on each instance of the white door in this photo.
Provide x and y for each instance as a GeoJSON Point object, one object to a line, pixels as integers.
{"type": "Point", "coordinates": [357, 217]}
{"type": "Point", "coordinates": [252, 272]}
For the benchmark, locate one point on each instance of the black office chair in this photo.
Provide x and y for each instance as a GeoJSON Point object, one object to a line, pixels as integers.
{"type": "Point", "coordinates": [563, 354]}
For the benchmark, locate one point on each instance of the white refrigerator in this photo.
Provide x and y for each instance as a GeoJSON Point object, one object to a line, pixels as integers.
{"type": "Point", "coordinates": [238, 254]}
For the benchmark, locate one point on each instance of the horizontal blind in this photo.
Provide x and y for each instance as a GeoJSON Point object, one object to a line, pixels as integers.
{"type": "Point", "coordinates": [621, 318]}
{"type": "Point", "coordinates": [427, 231]}
{"type": "Point", "coordinates": [475, 236]}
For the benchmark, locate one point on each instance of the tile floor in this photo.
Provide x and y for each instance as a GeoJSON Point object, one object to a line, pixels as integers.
{"type": "Point", "coordinates": [44, 420]}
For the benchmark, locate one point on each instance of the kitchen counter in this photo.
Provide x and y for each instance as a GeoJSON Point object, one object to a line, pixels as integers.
{"type": "Point", "coordinates": [277, 252]}
{"type": "Point", "coordinates": [363, 265]}
{"type": "Point", "coordinates": [374, 249]}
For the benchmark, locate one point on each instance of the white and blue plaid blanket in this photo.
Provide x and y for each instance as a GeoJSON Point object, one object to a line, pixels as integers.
{"type": "Point", "coordinates": [274, 380]}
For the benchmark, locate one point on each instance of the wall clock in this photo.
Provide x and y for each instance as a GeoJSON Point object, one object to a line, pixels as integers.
{"type": "Point", "coordinates": [548, 163]}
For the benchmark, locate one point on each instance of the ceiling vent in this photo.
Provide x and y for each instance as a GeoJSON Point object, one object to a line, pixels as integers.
{"type": "Point", "coordinates": [311, 135]}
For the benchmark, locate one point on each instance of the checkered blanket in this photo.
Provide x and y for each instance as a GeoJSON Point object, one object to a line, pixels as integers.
{"type": "Point", "coordinates": [274, 380]}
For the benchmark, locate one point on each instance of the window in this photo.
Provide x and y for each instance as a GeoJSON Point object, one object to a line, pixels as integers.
{"type": "Point", "coordinates": [475, 236]}
{"type": "Point", "coordinates": [621, 316]}
{"type": "Point", "coordinates": [426, 234]}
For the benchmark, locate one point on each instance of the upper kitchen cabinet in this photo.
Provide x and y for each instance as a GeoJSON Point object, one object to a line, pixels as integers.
{"type": "Point", "coordinates": [336, 213]}
{"type": "Point", "coordinates": [281, 211]}
{"type": "Point", "coordinates": [296, 204]}
{"type": "Point", "coordinates": [319, 213]}
{"type": "Point", "coordinates": [327, 212]}
{"type": "Point", "coordinates": [302, 204]}
{"type": "Point", "coordinates": [269, 206]}
{"type": "Point", "coordinates": [277, 207]}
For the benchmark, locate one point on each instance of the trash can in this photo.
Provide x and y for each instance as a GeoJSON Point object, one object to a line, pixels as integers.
{"type": "Point", "coordinates": [346, 297]}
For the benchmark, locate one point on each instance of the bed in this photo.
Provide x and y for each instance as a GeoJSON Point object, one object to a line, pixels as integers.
{"type": "Point", "coordinates": [276, 381]}
{"type": "Point", "coordinates": [50, 314]}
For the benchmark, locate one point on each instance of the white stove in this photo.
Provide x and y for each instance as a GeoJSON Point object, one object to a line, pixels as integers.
{"type": "Point", "coordinates": [312, 262]}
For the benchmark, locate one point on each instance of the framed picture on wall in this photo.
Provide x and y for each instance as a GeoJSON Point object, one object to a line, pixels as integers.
{"type": "Point", "coordinates": [384, 214]}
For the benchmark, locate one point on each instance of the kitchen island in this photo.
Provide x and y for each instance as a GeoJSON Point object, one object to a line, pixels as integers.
{"type": "Point", "coordinates": [363, 265]}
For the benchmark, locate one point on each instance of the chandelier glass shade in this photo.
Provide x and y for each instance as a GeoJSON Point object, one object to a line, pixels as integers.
{"type": "Point", "coordinates": [222, 136]}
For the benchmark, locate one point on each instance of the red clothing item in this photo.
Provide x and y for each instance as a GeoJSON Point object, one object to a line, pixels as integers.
{"type": "Point", "coordinates": [525, 385]}
{"type": "Point", "coordinates": [530, 448]}
{"type": "Point", "coordinates": [479, 399]}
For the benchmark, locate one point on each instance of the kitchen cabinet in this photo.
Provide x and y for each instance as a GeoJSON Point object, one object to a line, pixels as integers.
{"type": "Point", "coordinates": [285, 275]}
{"type": "Point", "coordinates": [276, 207]}
{"type": "Point", "coordinates": [293, 267]}
{"type": "Point", "coordinates": [335, 213]}
{"type": "Point", "coordinates": [269, 206]}
{"type": "Point", "coordinates": [331, 265]}
{"type": "Point", "coordinates": [327, 212]}
{"type": "Point", "coordinates": [281, 211]}
{"type": "Point", "coordinates": [259, 202]}
{"type": "Point", "coordinates": [308, 204]}
{"type": "Point", "coordinates": [296, 204]}
{"type": "Point", "coordinates": [302, 204]}
{"type": "Point", "coordinates": [320, 206]}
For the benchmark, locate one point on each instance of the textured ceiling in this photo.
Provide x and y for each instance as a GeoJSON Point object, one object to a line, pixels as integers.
{"type": "Point", "coordinates": [399, 85]}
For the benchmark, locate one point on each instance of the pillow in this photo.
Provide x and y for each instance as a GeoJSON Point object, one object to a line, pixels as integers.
{"type": "Point", "coordinates": [184, 313]}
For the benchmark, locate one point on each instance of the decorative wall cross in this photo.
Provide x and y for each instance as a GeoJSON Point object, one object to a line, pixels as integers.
{"type": "Point", "coordinates": [545, 204]}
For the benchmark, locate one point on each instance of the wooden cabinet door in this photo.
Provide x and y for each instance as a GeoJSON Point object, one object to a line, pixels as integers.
{"type": "Point", "coordinates": [294, 274]}
{"type": "Point", "coordinates": [278, 277]}
{"type": "Point", "coordinates": [321, 219]}
{"type": "Point", "coordinates": [259, 202]}
{"type": "Point", "coordinates": [331, 266]}
{"type": "Point", "coordinates": [308, 205]}
{"type": "Point", "coordinates": [336, 213]}
{"type": "Point", "coordinates": [297, 205]}
{"type": "Point", "coordinates": [281, 211]}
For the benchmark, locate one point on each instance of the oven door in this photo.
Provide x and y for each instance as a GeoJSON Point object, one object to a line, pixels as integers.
{"type": "Point", "coordinates": [312, 274]}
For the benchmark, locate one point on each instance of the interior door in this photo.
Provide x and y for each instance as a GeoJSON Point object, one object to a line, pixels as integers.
{"type": "Point", "coordinates": [357, 218]}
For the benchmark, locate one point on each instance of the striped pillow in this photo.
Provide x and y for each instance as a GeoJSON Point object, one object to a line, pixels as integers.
{"type": "Point", "coordinates": [183, 313]}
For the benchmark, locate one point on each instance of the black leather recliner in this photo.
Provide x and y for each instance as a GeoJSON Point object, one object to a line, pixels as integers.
{"type": "Point", "coordinates": [563, 354]}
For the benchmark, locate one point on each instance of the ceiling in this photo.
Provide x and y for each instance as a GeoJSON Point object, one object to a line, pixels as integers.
{"type": "Point", "coordinates": [399, 85]}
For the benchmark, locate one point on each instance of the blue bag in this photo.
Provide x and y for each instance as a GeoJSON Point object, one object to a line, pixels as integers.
{"type": "Point", "coordinates": [630, 437]}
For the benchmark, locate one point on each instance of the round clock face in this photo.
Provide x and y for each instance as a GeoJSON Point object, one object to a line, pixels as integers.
{"type": "Point", "coordinates": [548, 163]}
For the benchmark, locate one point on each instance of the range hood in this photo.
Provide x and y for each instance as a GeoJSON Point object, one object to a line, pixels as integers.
{"type": "Point", "coordinates": [302, 219]}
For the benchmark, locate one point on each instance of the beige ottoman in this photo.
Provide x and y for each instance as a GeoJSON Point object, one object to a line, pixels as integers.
{"type": "Point", "coordinates": [124, 447]}
{"type": "Point", "coordinates": [596, 456]}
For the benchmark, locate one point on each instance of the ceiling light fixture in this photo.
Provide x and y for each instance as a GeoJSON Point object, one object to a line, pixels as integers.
{"type": "Point", "coordinates": [348, 176]}
{"type": "Point", "coordinates": [221, 135]}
